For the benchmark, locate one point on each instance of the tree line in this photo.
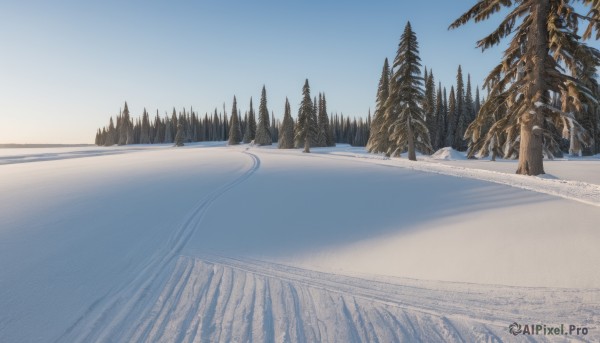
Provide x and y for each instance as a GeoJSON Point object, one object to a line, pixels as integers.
{"type": "Point", "coordinates": [543, 97]}
{"type": "Point", "coordinates": [187, 126]}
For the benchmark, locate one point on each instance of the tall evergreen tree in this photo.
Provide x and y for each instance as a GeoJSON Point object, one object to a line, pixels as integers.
{"type": "Point", "coordinates": [145, 129]}
{"type": "Point", "coordinates": [379, 137]}
{"type": "Point", "coordinates": [409, 130]}
{"type": "Point", "coordinates": [263, 135]}
{"type": "Point", "coordinates": [440, 117]}
{"type": "Point", "coordinates": [250, 133]}
{"type": "Point", "coordinates": [461, 116]}
{"type": "Point", "coordinates": [168, 130]}
{"type": "Point", "coordinates": [286, 137]}
{"type": "Point", "coordinates": [306, 120]}
{"type": "Point", "coordinates": [544, 41]}
{"type": "Point", "coordinates": [429, 106]}
{"type": "Point", "coordinates": [451, 119]}
{"type": "Point", "coordinates": [124, 127]}
{"type": "Point", "coordinates": [110, 134]}
{"type": "Point", "coordinates": [235, 133]}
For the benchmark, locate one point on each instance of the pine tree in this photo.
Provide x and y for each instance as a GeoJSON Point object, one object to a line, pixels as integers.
{"type": "Point", "coordinates": [532, 68]}
{"type": "Point", "coordinates": [286, 138]}
{"type": "Point", "coordinates": [124, 127]}
{"type": "Point", "coordinates": [145, 129]}
{"type": "Point", "coordinates": [307, 123]}
{"type": "Point", "coordinates": [235, 133]}
{"type": "Point", "coordinates": [440, 133]}
{"type": "Point", "coordinates": [378, 137]}
{"type": "Point", "coordinates": [110, 134]}
{"type": "Point", "coordinates": [429, 106]}
{"type": "Point", "coordinates": [409, 129]}
{"type": "Point", "coordinates": [250, 133]}
{"type": "Point", "coordinates": [460, 116]}
{"type": "Point", "coordinates": [451, 119]}
{"type": "Point", "coordinates": [168, 130]}
{"type": "Point", "coordinates": [263, 135]}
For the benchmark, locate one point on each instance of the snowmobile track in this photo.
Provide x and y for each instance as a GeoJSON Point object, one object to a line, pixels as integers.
{"type": "Point", "coordinates": [113, 311]}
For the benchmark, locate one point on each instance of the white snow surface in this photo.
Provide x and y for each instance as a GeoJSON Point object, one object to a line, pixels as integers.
{"type": "Point", "coordinates": [210, 243]}
{"type": "Point", "coordinates": [448, 153]}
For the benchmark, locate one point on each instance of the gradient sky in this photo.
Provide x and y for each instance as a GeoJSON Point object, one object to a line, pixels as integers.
{"type": "Point", "coordinates": [66, 66]}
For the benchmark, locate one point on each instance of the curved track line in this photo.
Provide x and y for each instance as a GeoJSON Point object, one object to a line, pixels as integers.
{"type": "Point", "coordinates": [109, 313]}
{"type": "Point", "coordinates": [584, 192]}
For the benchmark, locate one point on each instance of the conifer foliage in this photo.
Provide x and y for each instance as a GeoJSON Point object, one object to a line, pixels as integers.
{"type": "Point", "coordinates": [546, 56]}
{"type": "Point", "coordinates": [307, 128]}
{"type": "Point", "coordinates": [263, 134]}
{"type": "Point", "coordinates": [235, 133]}
{"type": "Point", "coordinates": [286, 137]}
{"type": "Point", "coordinates": [407, 127]}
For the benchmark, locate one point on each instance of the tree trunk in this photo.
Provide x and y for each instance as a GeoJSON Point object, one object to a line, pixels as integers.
{"type": "Point", "coordinates": [306, 144]}
{"type": "Point", "coordinates": [574, 143]}
{"type": "Point", "coordinates": [411, 142]}
{"type": "Point", "coordinates": [531, 159]}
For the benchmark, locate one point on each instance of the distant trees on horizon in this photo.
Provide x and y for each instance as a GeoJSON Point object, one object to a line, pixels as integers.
{"type": "Point", "coordinates": [187, 126]}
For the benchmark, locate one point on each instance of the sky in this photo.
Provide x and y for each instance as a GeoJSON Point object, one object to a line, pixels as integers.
{"type": "Point", "coordinates": [67, 66]}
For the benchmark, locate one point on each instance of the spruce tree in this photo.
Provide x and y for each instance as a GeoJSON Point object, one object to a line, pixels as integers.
{"type": "Point", "coordinates": [250, 133]}
{"type": "Point", "coordinates": [460, 115]}
{"type": "Point", "coordinates": [440, 133]}
{"type": "Point", "coordinates": [124, 127]}
{"type": "Point", "coordinates": [307, 123]}
{"type": "Point", "coordinates": [110, 134]}
{"type": "Point", "coordinates": [168, 130]}
{"type": "Point", "coordinates": [145, 129]}
{"type": "Point", "coordinates": [429, 107]}
{"type": "Point", "coordinates": [263, 135]}
{"type": "Point", "coordinates": [409, 130]}
{"type": "Point", "coordinates": [235, 133]}
{"type": "Point", "coordinates": [543, 58]}
{"type": "Point", "coordinates": [286, 137]}
{"type": "Point", "coordinates": [379, 137]}
{"type": "Point", "coordinates": [451, 119]}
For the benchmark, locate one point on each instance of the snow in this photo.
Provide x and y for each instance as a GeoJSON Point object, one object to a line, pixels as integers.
{"type": "Point", "coordinates": [448, 153]}
{"type": "Point", "coordinates": [217, 243]}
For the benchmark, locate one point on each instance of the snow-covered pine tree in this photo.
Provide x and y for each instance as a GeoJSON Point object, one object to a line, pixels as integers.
{"type": "Point", "coordinates": [542, 58]}
{"type": "Point", "coordinates": [379, 136]}
{"type": "Point", "coordinates": [286, 137]}
{"type": "Point", "coordinates": [263, 135]}
{"type": "Point", "coordinates": [235, 133]}
{"type": "Point", "coordinates": [250, 133]}
{"type": "Point", "coordinates": [409, 130]}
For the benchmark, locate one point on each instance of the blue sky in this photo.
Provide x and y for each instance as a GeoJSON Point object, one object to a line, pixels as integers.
{"type": "Point", "coordinates": [66, 66]}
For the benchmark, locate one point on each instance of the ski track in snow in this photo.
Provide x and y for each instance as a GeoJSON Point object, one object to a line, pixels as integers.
{"type": "Point", "coordinates": [209, 298]}
{"type": "Point", "coordinates": [587, 193]}
{"type": "Point", "coordinates": [113, 312]}
{"type": "Point", "coordinates": [220, 299]}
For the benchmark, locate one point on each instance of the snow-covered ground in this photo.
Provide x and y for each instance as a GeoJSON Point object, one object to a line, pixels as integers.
{"type": "Point", "coordinates": [211, 243]}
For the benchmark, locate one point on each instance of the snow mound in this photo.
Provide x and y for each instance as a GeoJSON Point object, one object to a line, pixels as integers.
{"type": "Point", "coordinates": [448, 154]}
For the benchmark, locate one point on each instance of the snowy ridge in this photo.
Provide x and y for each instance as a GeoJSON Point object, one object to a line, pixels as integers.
{"type": "Point", "coordinates": [113, 312]}
{"type": "Point", "coordinates": [219, 299]}
{"type": "Point", "coordinates": [584, 192]}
